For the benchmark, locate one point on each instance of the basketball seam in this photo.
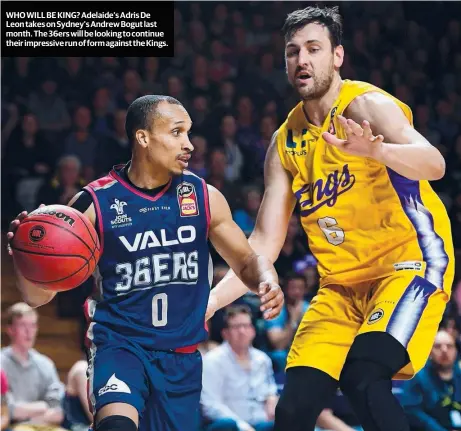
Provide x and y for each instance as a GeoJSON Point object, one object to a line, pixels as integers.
{"type": "Point", "coordinates": [56, 255]}
{"type": "Point", "coordinates": [91, 236]}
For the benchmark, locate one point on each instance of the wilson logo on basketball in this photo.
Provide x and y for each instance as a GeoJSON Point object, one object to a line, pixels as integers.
{"type": "Point", "coordinates": [187, 200]}
{"type": "Point", "coordinates": [37, 233]}
{"type": "Point", "coordinates": [58, 215]}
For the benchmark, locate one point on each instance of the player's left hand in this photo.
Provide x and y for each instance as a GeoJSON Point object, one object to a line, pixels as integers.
{"type": "Point", "coordinates": [272, 299]}
{"type": "Point", "coordinates": [360, 139]}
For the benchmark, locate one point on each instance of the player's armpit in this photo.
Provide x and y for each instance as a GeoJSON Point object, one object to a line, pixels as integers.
{"type": "Point", "coordinates": [230, 242]}
{"type": "Point", "coordinates": [276, 207]}
{"type": "Point", "coordinates": [404, 149]}
{"type": "Point", "coordinates": [90, 211]}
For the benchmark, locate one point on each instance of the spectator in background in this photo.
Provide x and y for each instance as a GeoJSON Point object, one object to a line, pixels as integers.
{"type": "Point", "coordinates": [432, 399]}
{"type": "Point", "coordinates": [197, 164]}
{"type": "Point", "coordinates": [258, 150]}
{"type": "Point", "coordinates": [293, 249]}
{"type": "Point", "coordinates": [175, 88]}
{"type": "Point", "coordinates": [76, 407]}
{"type": "Point", "coordinates": [64, 185]}
{"type": "Point", "coordinates": [50, 109]}
{"type": "Point", "coordinates": [150, 76]}
{"type": "Point", "coordinates": [35, 391]}
{"type": "Point", "coordinates": [244, 397]}
{"type": "Point", "coordinates": [81, 142]}
{"type": "Point", "coordinates": [200, 84]}
{"type": "Point", "coordinates": [4, 405]}
{"type": "Point", "coordinates": [10, 117]}
{"type": "Point", "coordinates": [246, 217]}
{"type": "Point", "coordinates": [132, 89]}
{"type": "Point", "coordinates": [217, 175]}
{"type": "Point", "coordinates": [102, 113]}
{"type": "Point", "coordinates": [23, 81]}
{"type": "Point", "coordinates": [307, 267]}
{"type": "Point", "coordinates": [282, 329]}
{"type": "Point", "coordinates": [229, 142]}
{"type": "Point", "coordinates": [27, 153]}
{"type": "Point", "coordinates": [116, 147]}
{"type": "Point", "coordinates": [76, 91]}
{"type": "Point", "coordinates": [246, 132]}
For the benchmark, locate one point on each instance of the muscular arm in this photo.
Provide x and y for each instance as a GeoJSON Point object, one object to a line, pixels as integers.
{"type": "Point", "coordinates": [33, 294]}
{"type": "Point", "coordinates": [230, 242]}
{"type": "Point", "coordinates": [404, 150]}
{"type": "Point", "coordinates": [271, 225]}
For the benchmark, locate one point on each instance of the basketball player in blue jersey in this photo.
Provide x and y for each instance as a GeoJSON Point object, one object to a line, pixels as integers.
{"type": "Point", "coordinates": [147, 312]}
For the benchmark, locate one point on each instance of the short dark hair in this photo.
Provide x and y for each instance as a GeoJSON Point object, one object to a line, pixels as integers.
{"type": "Point", "coordinates": [142, 110]}
{"type": "Point", "coordinates": [328, 16]}
{"type": "Point", "coordinates": [235, 310]}
{"type": "Point", "coordinates": [291, 275]}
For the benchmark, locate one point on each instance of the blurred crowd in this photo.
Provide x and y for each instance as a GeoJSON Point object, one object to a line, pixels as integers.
{"type": "Point", "coordinates": [63, 126]}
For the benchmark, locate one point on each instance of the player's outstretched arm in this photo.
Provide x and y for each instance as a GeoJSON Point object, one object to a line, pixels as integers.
{"type": "Point", "coordinates": [376, 127]}
{"type": "Point", "coordinates": [270, 230]}
{"type": "Point", "coordinates": [34, 294]}
{"type": "Point", "coordinates": [255, 270]}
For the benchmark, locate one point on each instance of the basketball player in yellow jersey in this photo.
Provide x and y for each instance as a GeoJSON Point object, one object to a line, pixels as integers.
{"type": "Point", "coordinates": [348, 153]}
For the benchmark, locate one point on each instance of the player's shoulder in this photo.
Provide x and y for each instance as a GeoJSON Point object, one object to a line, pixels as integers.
{"type": "Point", "coordinates": [101, 183]}
{"type": "Point", "coordinates": [294, 117]}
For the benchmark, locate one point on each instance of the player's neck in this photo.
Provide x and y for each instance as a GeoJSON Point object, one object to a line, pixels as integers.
{"type": "Point", "coordinates": [317, 110]}
{"type": "Point", "coordinates": [144, 175]}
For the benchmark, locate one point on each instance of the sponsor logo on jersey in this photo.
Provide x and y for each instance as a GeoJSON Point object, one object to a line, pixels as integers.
{"type": "Point", "coordinates": [151, 239]}
{"type": "Point", "coordinates": [37, 233]}
{"type": "Point", "coordinates": [322, 192]}
{"type": "Point", "coordinates": [375, 316]}
{"type": "Point", "coordinates": [159, 208]}
{"type": "Point", "coordinates": [292, 144]}
{"type": "Point", "coordinates": [114, 385]}
{"type": "Point", "coordinates": [410, 265]}
{"type": "Point", "coordinates": [121, 219]}
{"type": "Point", "coordinates": [187, 200]}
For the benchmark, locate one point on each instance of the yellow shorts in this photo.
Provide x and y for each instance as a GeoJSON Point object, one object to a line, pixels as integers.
{"type": "Point", "coordinates": [404, 305]}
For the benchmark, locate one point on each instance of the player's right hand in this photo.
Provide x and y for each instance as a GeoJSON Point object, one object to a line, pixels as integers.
{"type": "Point", "coordinates": [272, 299]}
{"type": "Point", "coordinates": [14, 226]}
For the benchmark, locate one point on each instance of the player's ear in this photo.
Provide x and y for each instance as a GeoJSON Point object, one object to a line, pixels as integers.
{"type": "Point", "coordinates": [338, 54]}
{"type": "Point", "coordinates": [142, 138]}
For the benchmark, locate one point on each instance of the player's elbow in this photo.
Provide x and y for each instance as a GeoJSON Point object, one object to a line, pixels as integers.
{"type": "Point", "coordinates": [438, 168]}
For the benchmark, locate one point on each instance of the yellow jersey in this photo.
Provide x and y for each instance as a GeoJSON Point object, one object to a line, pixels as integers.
{"type": "Point", "coordinates": [363, 220]}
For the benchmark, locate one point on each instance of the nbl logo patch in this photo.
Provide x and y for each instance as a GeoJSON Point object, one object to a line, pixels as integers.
{"type": "Point", "coordinates": [37, 233]}
{"type": "Point", "coordinates": [332, 128]}
{"type": "Point", "coordinates": [187, 200]}
{"type": "Point", "coordinates": [375, 316]}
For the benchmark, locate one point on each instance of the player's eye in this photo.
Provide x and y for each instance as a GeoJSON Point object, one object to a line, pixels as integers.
{"type": "Point", "coordinates": [176, 132]}
{"type": "Point", "coordinates": [314, 50]}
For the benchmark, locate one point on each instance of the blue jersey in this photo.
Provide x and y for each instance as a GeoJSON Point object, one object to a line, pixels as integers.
{"type": "Point", "coordinates": [154, 275]}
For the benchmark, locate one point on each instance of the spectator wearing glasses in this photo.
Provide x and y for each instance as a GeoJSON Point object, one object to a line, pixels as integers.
{"type": "Point", "coordinates": [239, 391]}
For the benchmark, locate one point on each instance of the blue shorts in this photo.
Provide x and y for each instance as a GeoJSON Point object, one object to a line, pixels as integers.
{"type": "Point", "coordinates": [163, 386]}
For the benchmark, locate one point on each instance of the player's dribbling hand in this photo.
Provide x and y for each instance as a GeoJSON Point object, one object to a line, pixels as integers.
{"type": "Point", "coordinates": [13, 227]}
{"type": "Point", "coordinates": [360, 139]}
{"type": "Point", "coordinates": [272, 299]}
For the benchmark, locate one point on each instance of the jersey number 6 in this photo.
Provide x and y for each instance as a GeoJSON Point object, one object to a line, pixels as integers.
{"type": "Point", "coordinates": [335, 235]}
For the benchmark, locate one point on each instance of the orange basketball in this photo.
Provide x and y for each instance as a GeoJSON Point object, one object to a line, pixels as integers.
{"type": "Point", "coordinates": [56, 246]}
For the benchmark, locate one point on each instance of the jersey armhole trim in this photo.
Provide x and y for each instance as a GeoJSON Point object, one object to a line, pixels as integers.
{"type": "Point", "coordinates": [99, 213]}
{"type": "Point", "coordinates": [207, 206]}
